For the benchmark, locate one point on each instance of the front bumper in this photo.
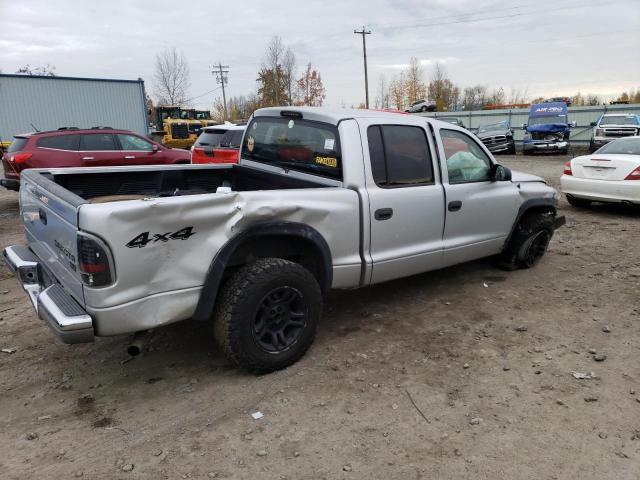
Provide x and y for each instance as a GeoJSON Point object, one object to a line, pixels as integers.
{"type": "Point", "coordinates": [10, 184]}
{"type": "Point", "coordinates": [542, 145]}
{"type": "Point", "coordinates": [620, 191]}
{"type": "Point", "coordinates": [502, 147]}
{"type": "Point", "coordinates": [68, 320]}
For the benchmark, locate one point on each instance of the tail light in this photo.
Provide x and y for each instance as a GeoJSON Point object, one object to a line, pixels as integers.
{"type": "Point", "coordinates": [94, 261]}
{"type": "Point", "coordinates": [21, 157]}
{"type": "Point", "coordinates": [635, 175]}
{"type": "Point", "coordinates": [567, 168]}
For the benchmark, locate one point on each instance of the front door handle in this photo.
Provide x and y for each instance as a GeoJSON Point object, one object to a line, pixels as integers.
{"type": "Point", "coordinates": [383, 214]}
{"type": "Point", "coordinates": [455, 206]}
{"type": "Point", "coordinates": [130, 157]}
{"type": "Point", "coordinates": [88, 158]}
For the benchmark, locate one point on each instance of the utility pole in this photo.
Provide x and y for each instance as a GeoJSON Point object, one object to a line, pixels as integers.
{"type": "Point", "coordinates": [364, 32]}
{"type": "Point", "coordinates": [222, 77]}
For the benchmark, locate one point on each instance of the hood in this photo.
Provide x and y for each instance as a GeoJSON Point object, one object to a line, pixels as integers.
{"type": "Point", "coordinates": [492, 133]}
{"type": "Point", "coordinates": [548, 127]}
{"type": "Point", "coordinates": [519, 177]}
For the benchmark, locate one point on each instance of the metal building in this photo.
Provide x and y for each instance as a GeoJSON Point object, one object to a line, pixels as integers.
{"type": "Point", "coordinates": [28, 103]}
{"type": "Point", "coordinates": [581, 134]}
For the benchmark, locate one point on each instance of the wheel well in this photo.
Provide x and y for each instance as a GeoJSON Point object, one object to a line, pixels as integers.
{"type": "Point", "coordinates": [294, 248]}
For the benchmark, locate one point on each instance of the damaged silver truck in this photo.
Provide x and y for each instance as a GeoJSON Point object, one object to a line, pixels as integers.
{"type": "Point", "coordinates": [320, 200]}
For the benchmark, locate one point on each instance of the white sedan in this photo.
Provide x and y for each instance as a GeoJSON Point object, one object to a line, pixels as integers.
{"type": "Point", "coordinates": [610, 174]}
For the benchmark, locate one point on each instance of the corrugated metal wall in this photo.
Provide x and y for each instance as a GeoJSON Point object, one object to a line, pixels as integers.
{"type": "Point", "coordinates": [49, 103]}
{"type": "Point", "coordinates": [580, 134]}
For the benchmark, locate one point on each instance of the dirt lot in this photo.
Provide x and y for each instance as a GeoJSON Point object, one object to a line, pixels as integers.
{"type": "Point", "coordinates": [463, 373]}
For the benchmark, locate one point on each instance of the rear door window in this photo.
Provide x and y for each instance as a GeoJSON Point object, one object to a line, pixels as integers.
{"type": "Point", "coordinates": [295, 144]}
{"type": "Point", "coordinates": [60, 142]}
{"type": "Point", "coordinates": [98, 142]}
{"type": "Point", "coordinates": [399, 156]}
{"type": "Point", "coordinates": [18, 144]}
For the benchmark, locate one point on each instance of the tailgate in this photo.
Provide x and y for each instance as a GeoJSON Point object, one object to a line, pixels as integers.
{"type": "Point", "coordinates": [50, 217]}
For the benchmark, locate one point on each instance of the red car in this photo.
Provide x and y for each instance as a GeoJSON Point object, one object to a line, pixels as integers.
{"type": "Point", "coordinates": [73, 147]}
{"type": "Point", "coordinates": [225, 151]}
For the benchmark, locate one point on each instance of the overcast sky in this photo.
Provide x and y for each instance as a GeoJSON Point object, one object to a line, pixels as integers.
{"type": "Point", "coordinates": [549, 48]}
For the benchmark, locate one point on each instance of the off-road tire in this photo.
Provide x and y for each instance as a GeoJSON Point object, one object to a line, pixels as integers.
{"type": "Point", "coordinates": [238, 305]}
{"type": "Point", "coordinates": [528, 243]}
{"type": "Point", "coordinates": [578, 202]}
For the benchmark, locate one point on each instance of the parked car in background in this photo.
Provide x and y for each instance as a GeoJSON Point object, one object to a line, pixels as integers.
{"type": "Point", "coordinates": [611, 126]}
{"type": "Point", "coordinates": [202, 149]}
{"type": "Point", "coordinates": [453, 120]}
{"type": "Point", "coordinates": [566, 100]}
{"type": "Point", "coordinates": [611, 174]}
{"type": "Point", "coordinates": [498, 137]}
{"type": "Point", "coordinates": [74, 147]}
{"type": "Point", "coordinates": [547, 128]}
{"type": "Point", "coordinates": [225, 152]}
{"type": "Point", "coordinates": [422, 106]}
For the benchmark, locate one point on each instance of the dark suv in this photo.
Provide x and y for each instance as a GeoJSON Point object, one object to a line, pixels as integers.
{"type": "Point", "coordinates": [73, 147]}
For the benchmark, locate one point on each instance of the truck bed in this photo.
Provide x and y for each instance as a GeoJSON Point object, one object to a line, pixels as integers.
{"type": "Point", "coordinates": [170, 181]}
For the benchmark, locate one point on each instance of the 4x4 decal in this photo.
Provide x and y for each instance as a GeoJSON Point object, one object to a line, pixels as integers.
{"type": "Point", "coordinates": [145, 238]}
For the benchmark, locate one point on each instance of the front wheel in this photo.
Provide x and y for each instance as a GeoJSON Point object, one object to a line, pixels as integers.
{"type": "Point", "coordinates": [528, 243]}
{"type": "Point", "coordinates": [423, 109]}
{"type": "Point", "coordinates": [267, 315]}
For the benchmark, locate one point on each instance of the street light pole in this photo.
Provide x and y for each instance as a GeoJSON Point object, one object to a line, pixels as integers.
{"type": "Point", "coordinates": [364, 32]}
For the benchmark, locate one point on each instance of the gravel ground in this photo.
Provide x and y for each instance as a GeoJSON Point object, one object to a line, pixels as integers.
{"type": "Point", "coordinates": [462, 373]}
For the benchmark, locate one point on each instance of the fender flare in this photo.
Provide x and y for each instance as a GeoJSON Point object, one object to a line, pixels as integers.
{"type": "Point", "coordinates": [527, 206]}
{"type": "Point", "coordinates": [213, 278]}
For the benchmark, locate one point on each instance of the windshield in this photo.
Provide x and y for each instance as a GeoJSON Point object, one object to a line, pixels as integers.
{"type": "Point", "coordinates": [548, 119]}
{"type": "Point", "coordinates": [504, 125]}
{"type": "Point", "coordinates": [623, 146]}
{"type": "Point", "coordinates": [619, 120]}
{"type": "Point", "coordinates": [296, 144]}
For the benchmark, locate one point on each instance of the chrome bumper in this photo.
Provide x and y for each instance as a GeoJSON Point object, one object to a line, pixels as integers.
{"type": "Point", "coordinates": [69, 321]}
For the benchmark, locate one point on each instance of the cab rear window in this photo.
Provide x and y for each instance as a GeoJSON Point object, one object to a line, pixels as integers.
{"type": "Point", "coordinates": [295, 144]}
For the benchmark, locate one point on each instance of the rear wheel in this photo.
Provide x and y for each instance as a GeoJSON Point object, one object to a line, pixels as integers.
{"type": "Point", "coordinates": [529, 242]}
{"type": "Point", "coordinates": [267, 315]}
{"type": "Point", "coordinates": [424, 108]}
{"type": "Point", "coordinates": [578, 202]}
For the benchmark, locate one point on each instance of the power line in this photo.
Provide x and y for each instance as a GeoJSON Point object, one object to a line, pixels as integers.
{"type": "Point", "coordinates": [364, 32]}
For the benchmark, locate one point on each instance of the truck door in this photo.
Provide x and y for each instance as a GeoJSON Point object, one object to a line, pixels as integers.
{"type": "Point", "coordinates": [406, 201]}
{"type": "Point", "coordinates": [479, 212]}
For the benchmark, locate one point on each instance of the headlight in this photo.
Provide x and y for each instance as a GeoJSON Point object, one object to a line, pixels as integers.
{"type": "Point", "coordinates": [599, 132]}
{"type": "Point", "coordinates": [526, 137]}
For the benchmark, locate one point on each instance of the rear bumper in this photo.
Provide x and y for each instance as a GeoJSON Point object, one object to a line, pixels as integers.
{"type": "Point", "coordinates": [622, 191]}
{"type": "Point", "coordinates": [10, 184]}
{"type": "Point", "coordinates": [66, 318]}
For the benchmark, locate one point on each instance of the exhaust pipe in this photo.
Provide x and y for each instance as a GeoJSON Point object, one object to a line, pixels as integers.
{"type": "Point", "coordinates": [139, 339]}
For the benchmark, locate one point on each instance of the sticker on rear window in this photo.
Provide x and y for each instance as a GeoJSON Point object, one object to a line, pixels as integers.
{"type": "Point", "coordinates": [250, 144]}
{"type": "Point", "coordinates": [291, 123]}
{"type": "Point", "coordinates": [329, 144]}
{"type": "Point", "coordinates": [327, 161]}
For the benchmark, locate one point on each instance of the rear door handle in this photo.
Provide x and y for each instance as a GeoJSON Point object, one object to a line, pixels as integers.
{"type": "Point", "coordinates": [455, 206]}
{"type": "Point", "coordinates": [383, 214]}
{"type": "Point", "coordinates": [88, 158]}
{"type": "Point", "coordinates": [130, 157]}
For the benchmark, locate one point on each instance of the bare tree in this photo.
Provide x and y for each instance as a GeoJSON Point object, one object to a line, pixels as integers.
{"type": "Point", "coordinates": [273, 62]}
{"type": "Point", "coordinates": [415, 87]}
{"type": "Point", "coordinates": [442, 90]}
{"type": "Point", "coordinates": [289, 69]}
{"type": "Point", "coordinates": [382, 97]}
{"type": "Point", "coordinates": [44, 71]}
{"type": "Point", "coordinates": [474, 98]}
{"type": "Point", "coordinates": [171, 77]}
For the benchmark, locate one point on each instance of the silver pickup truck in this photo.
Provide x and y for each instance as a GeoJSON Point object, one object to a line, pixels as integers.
{"type": "Point", "coordinates": [320, 200]}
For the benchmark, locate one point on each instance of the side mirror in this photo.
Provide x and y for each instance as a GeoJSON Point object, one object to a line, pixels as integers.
{"type": "Point", "coordinates": [155, 148]}
{"type": "Point", "coordinates": [500, 173]}
{"type": "Point", "coordinates": [524, 126]}
{"type": "Point", "coordinates": [594, 124]}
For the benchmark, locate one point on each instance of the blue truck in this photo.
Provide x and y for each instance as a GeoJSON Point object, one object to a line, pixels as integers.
{"type": "Point", "coordinates": [547, 128]}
